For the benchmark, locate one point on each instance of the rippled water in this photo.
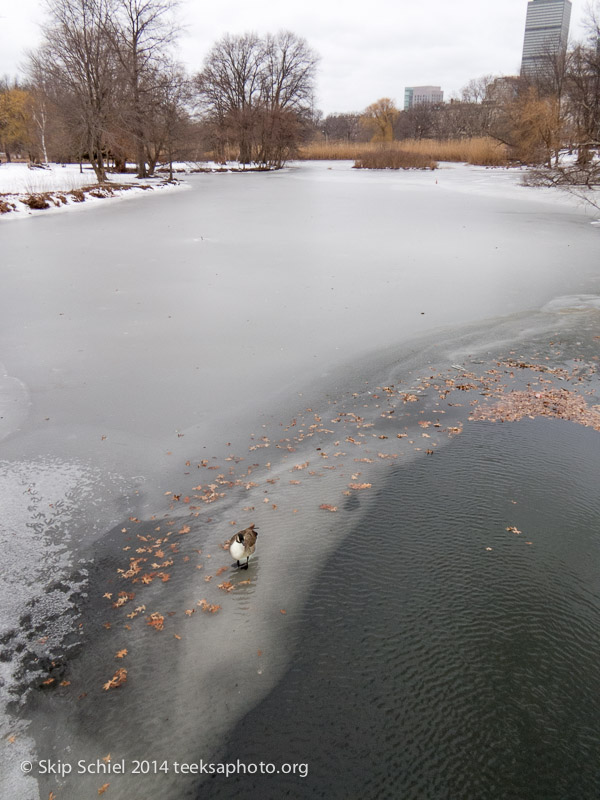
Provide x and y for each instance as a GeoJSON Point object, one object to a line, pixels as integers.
{"type": "Point", "coordinates": [426, 664]}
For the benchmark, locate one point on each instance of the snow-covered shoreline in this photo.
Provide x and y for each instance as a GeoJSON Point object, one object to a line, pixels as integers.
{"type": "Point", "coordinates": [26, 192]}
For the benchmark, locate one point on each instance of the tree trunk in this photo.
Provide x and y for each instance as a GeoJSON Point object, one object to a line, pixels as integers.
{"type": "Point", "coordinates": [97, 160]}
{"type": "Point", "coordinates": [137, 112]}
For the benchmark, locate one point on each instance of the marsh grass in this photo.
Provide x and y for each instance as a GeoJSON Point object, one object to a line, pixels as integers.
{"type": "Point", "coordinates": [393, 158]}
{"type": "Point", "coordinates": [481, 151]}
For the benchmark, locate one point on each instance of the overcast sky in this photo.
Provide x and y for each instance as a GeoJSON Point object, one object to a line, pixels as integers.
{"type": "Point", "coordinates": [368, 48]}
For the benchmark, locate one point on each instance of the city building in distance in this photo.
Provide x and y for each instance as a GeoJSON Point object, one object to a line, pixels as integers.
{"type": "Point", "coordinates": [414, 95]}
{"type": "Point", "coordinates": [546, 33]}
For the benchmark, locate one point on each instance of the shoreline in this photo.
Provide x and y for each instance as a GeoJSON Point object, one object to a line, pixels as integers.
{"type": "Point", "coordinates": [23, 205]}
{"type": "Point", "coordinates": [32, 201]}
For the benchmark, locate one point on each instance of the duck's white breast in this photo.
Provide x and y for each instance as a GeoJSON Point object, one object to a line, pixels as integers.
{"type": "Point", "coordinates": [237, 550]}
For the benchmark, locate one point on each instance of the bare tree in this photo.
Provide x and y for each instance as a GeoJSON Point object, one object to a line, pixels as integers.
{"type": "Point", "coordinates": [256, 93]}
{"type": "Point", "coordinates": [477, 89]}
{"type": "Point", "coordinates": [286, 98]}
{"type": "Point", "coordinates": [169, 120]}
{"type": "Point", "coordinates": [341, 127]}
{"type": "Point", "coordinates": [142, 32]}
{"type": "Point", "coordinates": [230, 88]}
{"type": "Point", "coordinates": [78, 58]}
{"type": "Point", "coordinates": [418, 122]}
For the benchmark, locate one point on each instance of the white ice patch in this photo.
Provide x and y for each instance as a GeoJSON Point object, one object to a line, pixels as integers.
{"type": "Point", "coordinates": [44, 508]}
{"type": "Point", "coordinates": [572, 302]}
{"type": "Point", "coordinates": [14, 403]}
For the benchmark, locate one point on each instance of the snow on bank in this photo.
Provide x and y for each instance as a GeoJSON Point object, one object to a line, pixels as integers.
{"type": "Point", "coordinates": [25, 191]}
{"type": "Point", "coordinates": [20, 179]}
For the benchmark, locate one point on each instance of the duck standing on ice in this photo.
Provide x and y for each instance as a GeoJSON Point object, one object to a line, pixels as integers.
{"type": "Point", "coordinates": [243, 544]}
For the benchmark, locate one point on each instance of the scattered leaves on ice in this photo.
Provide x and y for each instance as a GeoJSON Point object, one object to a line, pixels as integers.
{"type": "Point", "coordinates": [118, 679]}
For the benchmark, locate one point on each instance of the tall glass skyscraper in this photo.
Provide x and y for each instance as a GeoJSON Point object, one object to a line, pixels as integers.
{"type": "Point", "coordinates": [546, 32]}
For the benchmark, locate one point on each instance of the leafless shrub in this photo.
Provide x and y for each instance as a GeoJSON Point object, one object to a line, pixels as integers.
{"type": "Point", "coordinates": [36, 201]}
{"type": "Point", "coordinates": [581, 181]}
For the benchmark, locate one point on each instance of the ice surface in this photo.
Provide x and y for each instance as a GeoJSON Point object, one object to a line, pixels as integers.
{"type": "Point", "coordinates": [153, 333]}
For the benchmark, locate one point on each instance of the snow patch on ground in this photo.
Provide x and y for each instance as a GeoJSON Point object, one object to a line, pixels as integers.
{"type": "Point", "coordinates": [20, 179]}
{"type": "Point", "coordinates": [60, 187]}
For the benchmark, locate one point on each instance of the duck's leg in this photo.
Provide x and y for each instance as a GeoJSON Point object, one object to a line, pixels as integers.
{"type": "Point", "coordinates": [246, 564]}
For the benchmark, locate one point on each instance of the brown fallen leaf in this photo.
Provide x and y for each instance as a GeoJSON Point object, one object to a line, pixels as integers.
{"type": "Point", "coordinates": [360, 485]}
{"type": "Point", "coordinates": [103, 788]}
{"type": "Point", "coordinates": [121, 653]}
{"type": "Point", "coordinates": [118, 679]}
{"type": "Point", "coordinates": [226, 586]}
{"type": "Point", "coordinates": [327, 507]}
{"type": "Point", "coordinates": [156, 621]}
{"type": "Point", "coordinates": [206, 606]}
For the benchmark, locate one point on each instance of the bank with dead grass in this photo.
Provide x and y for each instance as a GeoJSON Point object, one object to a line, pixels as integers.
{"type": "Point", "coordinates": [480, 151]}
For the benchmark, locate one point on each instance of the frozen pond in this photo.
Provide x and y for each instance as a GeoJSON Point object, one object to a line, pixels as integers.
{"type": "Point", "coordinates": [142, 337]}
